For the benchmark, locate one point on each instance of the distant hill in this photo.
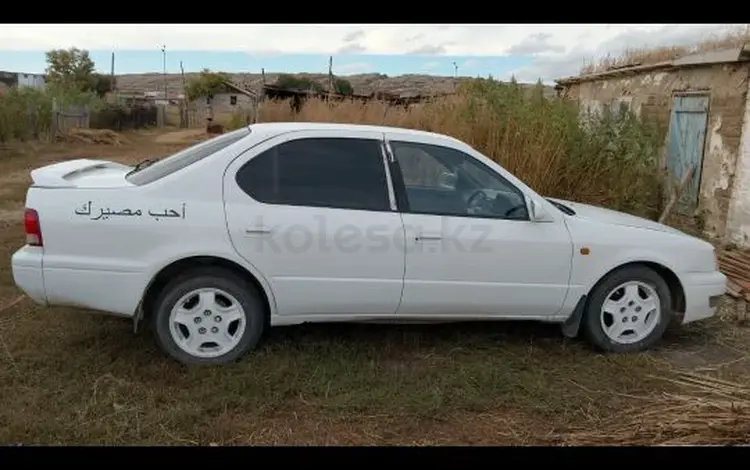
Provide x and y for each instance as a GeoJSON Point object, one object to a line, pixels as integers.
{"type": "Point", "coordinates": [363, 83]}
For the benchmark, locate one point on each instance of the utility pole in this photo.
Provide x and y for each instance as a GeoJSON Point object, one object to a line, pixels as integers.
{"type": "Point", "coordinates": [184, 118]}
{"type": "Point", "coordinates": [330, 75]}
{"type": "Point", "coordinates": [112, 78]}
{"type": "Point", "coordinates": [455, 81]}
{"type": "Point", "coordinates": [164, 60]}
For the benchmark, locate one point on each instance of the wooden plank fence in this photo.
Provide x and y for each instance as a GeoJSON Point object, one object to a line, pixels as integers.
{"type": "Point", "coordinates": [65, 120]}
{"type": "Point", "coordinates": [193, 116]}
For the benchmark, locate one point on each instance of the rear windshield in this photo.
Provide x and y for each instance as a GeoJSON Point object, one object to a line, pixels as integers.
{"type": "Point", "coordinates": [185, 158]}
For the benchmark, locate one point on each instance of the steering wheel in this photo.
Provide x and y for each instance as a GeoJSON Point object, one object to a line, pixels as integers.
{"type": "Point", "coordinates": [514, 209]}
{"type": "Point", "coordinates": [477, 201]}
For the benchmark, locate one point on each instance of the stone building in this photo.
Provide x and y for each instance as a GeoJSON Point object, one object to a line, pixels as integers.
{"type": "Point", "coordinates": [702, 102]}
{"type": "Point", "coordinates": [229, 99]}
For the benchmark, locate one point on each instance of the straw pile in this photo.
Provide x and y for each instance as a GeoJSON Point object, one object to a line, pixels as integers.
{"type": "Point", "coordinates": [736, 265]}
{"type": "Point", "coordinates": [93, 136]}
{"type": "Point", "coordinates": [715, 412]}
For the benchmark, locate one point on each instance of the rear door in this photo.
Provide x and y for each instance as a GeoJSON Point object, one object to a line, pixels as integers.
{"type": "Point", "coordinates": [314, 213]}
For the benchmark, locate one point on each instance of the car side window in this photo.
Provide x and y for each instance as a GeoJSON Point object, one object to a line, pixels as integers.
{"type": "Point", "coordinates": [344, 173]}
{"type": "Point", "coordinates": [444, 181]}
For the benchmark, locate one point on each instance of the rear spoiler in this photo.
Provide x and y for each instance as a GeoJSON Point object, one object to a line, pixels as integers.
{"type": "Point", "coordinates": [58, 175]}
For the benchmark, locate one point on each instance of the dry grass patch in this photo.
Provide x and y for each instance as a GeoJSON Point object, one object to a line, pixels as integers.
{"type": "Point", "coordinates": [705, 411]}
{"type": "Point", "coordinates": [93, 136]}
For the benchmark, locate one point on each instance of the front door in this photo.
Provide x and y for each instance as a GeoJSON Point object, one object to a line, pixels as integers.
{"type": "Point", "coordinates": [471, 248]}
{"type": "Point", "coordinates": [312, 211]}
{"type": "Point", "coordinates": [687, 135]}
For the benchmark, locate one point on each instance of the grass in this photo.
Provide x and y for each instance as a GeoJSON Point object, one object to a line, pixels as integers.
{"type": "Point", "coordinates": [71, 377]}
{"type": "Point", "coordinates": [642, 56]}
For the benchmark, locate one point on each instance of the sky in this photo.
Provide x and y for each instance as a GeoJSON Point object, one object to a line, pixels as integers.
{"type": "Point", "coordinates": [526, 51]}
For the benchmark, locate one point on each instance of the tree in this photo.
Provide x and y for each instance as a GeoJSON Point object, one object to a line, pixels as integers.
{"type": "Point", "coordinates": [71, 68]}
{"type": "Point", "coordinates": [102, 84]}
{"type": "Point", "coordinates": [207, 83]}
{"type": "Point", "coordinates": [538, 94]}
{"type": "Point", "coordinates": [292, 83]}
{"type": "Point", "coordinates": [343, 87]}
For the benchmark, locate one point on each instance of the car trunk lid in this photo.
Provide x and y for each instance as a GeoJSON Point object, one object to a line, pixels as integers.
{"type": "Point", "coordinates": [82, 173]}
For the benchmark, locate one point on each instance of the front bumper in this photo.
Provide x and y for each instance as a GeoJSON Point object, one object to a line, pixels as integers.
{"type": "Point", "coordinates": [702, 291]}
{"type": "Point", "coordinates": [28, 274]}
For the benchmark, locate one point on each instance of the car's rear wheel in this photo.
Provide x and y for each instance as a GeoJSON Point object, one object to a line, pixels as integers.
{"type": "Point", "coordinates": [628, 311]}
{"type": "Point", "coordinates": [208, 316]}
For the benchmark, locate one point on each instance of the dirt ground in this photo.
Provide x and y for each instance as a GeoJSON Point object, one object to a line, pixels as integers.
{"type": "Point", "coordinates": [71, 377]}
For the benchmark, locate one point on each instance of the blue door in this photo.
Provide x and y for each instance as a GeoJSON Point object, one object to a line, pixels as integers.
{"type": "Point", "coordinates": [687, 135]}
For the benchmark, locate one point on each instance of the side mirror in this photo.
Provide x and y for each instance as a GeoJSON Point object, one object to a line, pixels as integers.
{"type": "Point", "coordinates": [537, 213]}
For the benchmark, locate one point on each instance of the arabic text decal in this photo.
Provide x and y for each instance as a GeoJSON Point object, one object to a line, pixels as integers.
{"type": "Point", "coordinates": [106, 213]}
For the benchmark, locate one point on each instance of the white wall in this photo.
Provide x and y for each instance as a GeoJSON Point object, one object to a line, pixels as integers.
{"type": "Point", "coordinates": [30, 80]}
{"type": "Point", "coordinates": [222, 102]}
{"type": "Point", "coordinates": [738, 218]}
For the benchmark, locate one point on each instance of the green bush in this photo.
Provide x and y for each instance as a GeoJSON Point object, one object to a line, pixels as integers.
{"type": "Point", "coordinates": [605, 159]}
{"type": "Point", "coordinates": [238, 119]}
{"type": "Point", "coordinates": [343, 86]}
{"type": "Point", "coordinates": [26, 113]}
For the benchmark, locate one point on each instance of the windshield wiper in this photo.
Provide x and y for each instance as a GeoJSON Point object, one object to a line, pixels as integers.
{"type": "Point", "coordinates": [142, 164]}
{"type": "Point", "coordinates": [565, 209]}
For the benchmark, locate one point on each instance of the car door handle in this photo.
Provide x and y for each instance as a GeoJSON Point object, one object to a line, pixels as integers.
{"type": "Point", "coordinates": [257, 230]}
{"type": "Point", "coordinates": [427, 238]}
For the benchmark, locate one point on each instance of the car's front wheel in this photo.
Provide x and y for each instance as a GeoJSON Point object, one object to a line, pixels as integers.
{"type": "Point", "coordinates": [628, 311]}
{"type": "Point", "coordinates": [208, 316]}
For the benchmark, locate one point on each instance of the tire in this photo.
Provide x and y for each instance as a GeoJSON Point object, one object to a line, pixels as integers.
{"type": "Point", "coordinates": [213, 306]}
{"type": "Point", "coordinates": [648, 317]}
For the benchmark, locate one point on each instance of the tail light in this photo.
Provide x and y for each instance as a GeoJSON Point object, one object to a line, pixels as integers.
{"type": "Point", "coordinates": [33, 228]}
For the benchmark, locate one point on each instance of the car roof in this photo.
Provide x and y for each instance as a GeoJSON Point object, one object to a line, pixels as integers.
{"type": "Point", "coordinates": [284, 127]}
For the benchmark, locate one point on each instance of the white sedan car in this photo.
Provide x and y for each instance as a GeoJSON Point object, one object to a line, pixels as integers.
{"type": "Point", "coordinates": [286, 223]}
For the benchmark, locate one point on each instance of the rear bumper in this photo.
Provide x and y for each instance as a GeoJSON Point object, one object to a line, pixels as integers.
{"type": "Point", "coordinates": [28, 274]}
{"type": "Point", "coordinates": [702, 292]}
{"type": "Point", "coordinates": [112, 292]}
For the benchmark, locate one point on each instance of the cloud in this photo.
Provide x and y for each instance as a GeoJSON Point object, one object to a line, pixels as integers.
{"type": "Point", "coordinates": [354, 35]}
{"type": "Point", "coordinates": [353, 48]}
{"type": "Point", "coordinates": [265, 54]}
{"type": "Point", "coordinates": [535, 44]}
{"type": "Point", "coordinates": [428, 50]}
{"type": "Point", "coordinates": [351, 44]}
{"type": "Point", "coordinates": [554, 49]}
